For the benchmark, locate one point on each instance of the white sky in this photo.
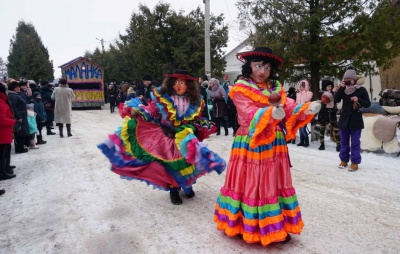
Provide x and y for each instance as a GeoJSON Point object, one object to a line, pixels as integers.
{"type": "Point", "coordinates": [69, 27]}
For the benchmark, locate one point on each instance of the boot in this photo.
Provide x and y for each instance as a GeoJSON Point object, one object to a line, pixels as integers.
{"type": "Point", "coordinates": [49, 132]}
{"type": "Point", "coordinates": [3, 172]}
{"type": "Point", "coordinates": [40, 140]}
{"type": "Point", "coordinates": [353, 167]}
{"type": "Point", "coordinates": [60, 129]}
{"type": "Point", "coordinates": [2, 192]}
{"type": "Point", "coordinates": [293, 141]}
{"type": "Point", "coordinates": [190, 194]}
{"type": "Point", "coordinates": [175, 198]}
{"type": "Point", "coordinates": [338, 146]}
{"type": "Point", "coordinates": [306, 142]}
{"type": "Point", "coordinates": [343, 164]}
{"type": "Point", "coordinates": [33, 145]}
{"type": "Point", "coordinates": [321, 147]}
{"type": "Point", "coordinates": [69, 129]}
{"type": "Point", "coordinates": [301, 142]}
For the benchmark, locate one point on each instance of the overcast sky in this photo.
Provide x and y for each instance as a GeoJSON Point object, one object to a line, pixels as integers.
{"type": "Point", "coordinates": [70, 27]}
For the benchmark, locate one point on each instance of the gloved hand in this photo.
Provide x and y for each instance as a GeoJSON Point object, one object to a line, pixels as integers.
{"type": "Point", "coordinates": [278, 113]}
{"type": "Point", "coordinates": [314, 108]}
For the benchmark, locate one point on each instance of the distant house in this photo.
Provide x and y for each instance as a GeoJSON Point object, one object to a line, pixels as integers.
{"type": "Point", "coordinates": [233, 65]}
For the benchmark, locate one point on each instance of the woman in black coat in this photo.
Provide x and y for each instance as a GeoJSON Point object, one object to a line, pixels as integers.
{"type": "Point", "coordinates": [18, 106]}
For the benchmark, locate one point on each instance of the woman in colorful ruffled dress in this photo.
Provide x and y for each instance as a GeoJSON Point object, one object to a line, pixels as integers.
{"type": "Point", "coordinates": [161, 143]}
{"type": "Point", "coordinates": [258, 200]}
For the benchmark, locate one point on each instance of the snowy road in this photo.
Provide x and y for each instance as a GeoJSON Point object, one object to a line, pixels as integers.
{"type": "Point", "coordinates": [65, 200]}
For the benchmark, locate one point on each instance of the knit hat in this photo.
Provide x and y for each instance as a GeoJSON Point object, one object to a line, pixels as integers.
{"type": "Point", "coordinates": [30, 106]}
{"type": "Point", "coordinates": [350, 74]}
{"type": "Point", "coordinates": [36, 94]}
{"type": "Point", "coordinates": [325, 84]}
{"type": "Point", "coordinates": [147, 77]}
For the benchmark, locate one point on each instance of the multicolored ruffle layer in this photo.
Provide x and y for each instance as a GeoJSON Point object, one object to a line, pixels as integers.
{"type": "Point", "coordinates": [264, 221]}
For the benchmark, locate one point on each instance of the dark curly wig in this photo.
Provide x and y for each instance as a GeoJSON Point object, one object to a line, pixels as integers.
{"type": "Point", "coordinates": [246, 68]}
{"type": "Point", "coordinates": [193, 92]}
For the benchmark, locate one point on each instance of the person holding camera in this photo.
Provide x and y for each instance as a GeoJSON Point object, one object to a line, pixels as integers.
{"type": "Point", "coordinates": [303, 96]}
{"type": "Point", "coordinates": [354, 96]}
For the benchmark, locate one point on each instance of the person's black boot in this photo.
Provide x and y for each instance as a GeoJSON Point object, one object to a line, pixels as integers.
{"type": "Point", "coordinates": [301, 142]}
{"type": "Point", "coordinates": [3, 171]}
{"type": "Point", "coordinates": [306, 142]}
{"type": "Point", "coordinates": [175, 198]}
{"type": "Point", "coordinates": [321, 147]}
{"type": "Point", "coordinates": [191, 194]}
{"type": "Point", "coordinates": [60, 130]}
{"type": "Point", "coordinates": [49, 132]}
{"type": "Point", "coordinates": [40, 140]}
{"type": "Point", "coordinates": [293, 141]}
{"type": "Point", "coordinates": [69, 130]}
{"type": "Point", "coordinates": [2, 192]}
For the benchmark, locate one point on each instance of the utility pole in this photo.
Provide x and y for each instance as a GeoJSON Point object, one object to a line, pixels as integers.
{"type": "Point", "coordinates": [101, 42]}
{"type": "Point", "coordinates": [207, 53]}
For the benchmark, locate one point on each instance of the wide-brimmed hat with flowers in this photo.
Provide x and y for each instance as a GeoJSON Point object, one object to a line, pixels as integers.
{"type": "Point", "coordinates": [181, 74]}
{"type": "Point", "coordinates": [264, 52]}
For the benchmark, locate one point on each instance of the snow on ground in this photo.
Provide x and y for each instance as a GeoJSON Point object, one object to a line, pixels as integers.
{"type": "Point", "coordinates": [65, 200]}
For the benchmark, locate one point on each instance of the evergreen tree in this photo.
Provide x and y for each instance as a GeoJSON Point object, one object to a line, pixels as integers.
{"type": "Point", "coordinates": [160, 40]}
{"type": "Point", "coordinates": [3, 70]}
{"type": "Point", "coordinates": [28, 57]}
{"type": "Point", "coordinates": [320, 38]}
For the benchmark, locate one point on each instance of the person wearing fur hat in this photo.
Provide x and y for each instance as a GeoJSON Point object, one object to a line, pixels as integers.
{"type": "Point", "coordinates": [63, 97]}
{"type": "Point", "coordinates": [303, 96]}
{"type": "Point", "coordinates": [258, 201]}
{"type": "Point", "coordinates": [327, 114]}
{"type": "Point", "coordinates": [7, 123]}
{"type": "Point", "coordinates": [19, 108]}
{"type": "Point", "coordinates": [40, 116]}
{"type": "Point", "coordinates": [354, 96]}
{"type": "Point", "coordinates": [161, 143]}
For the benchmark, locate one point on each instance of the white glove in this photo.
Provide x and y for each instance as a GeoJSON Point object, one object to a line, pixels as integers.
{"type": "Point", "coordinates": [278, 113]}
{"type": "Point", "coordinates": [314, 108]}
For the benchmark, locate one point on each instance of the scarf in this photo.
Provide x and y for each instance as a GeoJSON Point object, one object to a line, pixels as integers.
{"type": "Point", "coordinates": [351, 89]}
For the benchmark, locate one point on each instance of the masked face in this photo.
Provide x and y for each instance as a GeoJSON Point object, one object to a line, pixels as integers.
{"type": "Point", "coordinates": [180, 86]}
{"type": "Point", "coordinates": [260, 72]}
{"type": "Point", "coordinates": [38, 99]}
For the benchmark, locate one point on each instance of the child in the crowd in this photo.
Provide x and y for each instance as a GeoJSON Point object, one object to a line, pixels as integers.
{"type": "Point", "coordinates": [32, 126]}
{"type": "Point", "coordinates": [40, 117]}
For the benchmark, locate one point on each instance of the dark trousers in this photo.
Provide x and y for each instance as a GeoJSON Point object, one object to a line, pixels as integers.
{"type": "Point", "coordinates": [350, 145]}
{"type": "Point", "coordinates": [5, 155]}
{"type": "Point", "coordinates": [304, 134]}
{"type": "Point", "coordinates": [19, 142]}
{"type": "Point", "coordinates": [218, 121]}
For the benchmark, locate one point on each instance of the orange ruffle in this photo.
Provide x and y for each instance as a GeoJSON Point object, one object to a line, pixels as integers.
{"type": "Point", "coordinates": [293, 123]}
{"type": "Point", "coordinates": [265, 130]}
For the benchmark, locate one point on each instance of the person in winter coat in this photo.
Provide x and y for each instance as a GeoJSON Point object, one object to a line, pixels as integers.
{"type": "Point", "coordinates": [203, 84]}
{"type": "Point", "coordinates": [40, 116]}
{"type": "Point", "coordinates": [112, 94]}
{"type": "Point", "coordinates": [327, 114]}
{"type": "Point", "coordinates": [144, 89]}
{"type": "Point", "coordinates": [7, 122]}
{"type": "Point", "coordinates": [63, 96]}
{"type": "Point", "coordinates": [18, 106]}
{"type": "Point", "coordinates": [220, 108]}
{"type": "Point", "coordinates": [122, 93]}
{"type": "Point", "coordinates": [354, 96]}
{"type": "Point", "coordinates": [24, 91]}
{"type": "Point", "coordinates": [32, 125]}
{"type": "Point", "coordinates": [46, 90]}
{"type": "Point", "coordinates": [303, 96]}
